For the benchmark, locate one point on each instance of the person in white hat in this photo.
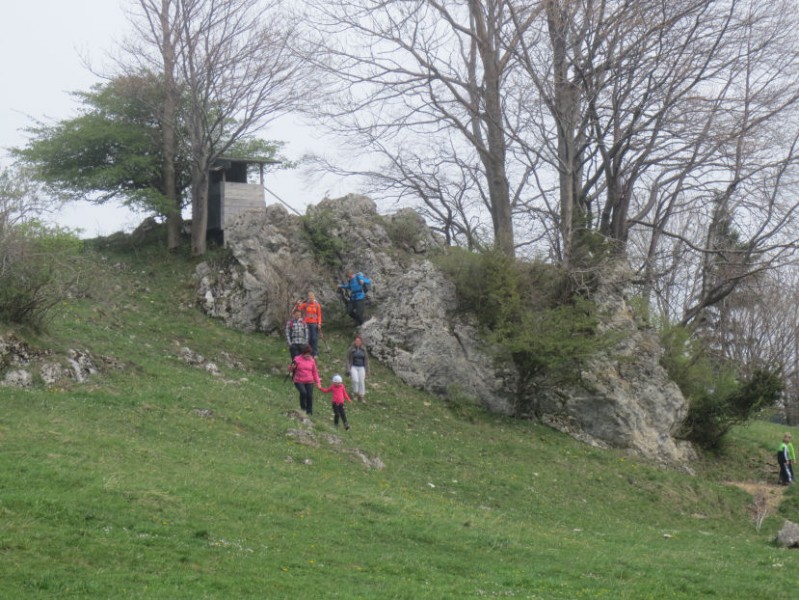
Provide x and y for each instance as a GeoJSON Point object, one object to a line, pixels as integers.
{"type": "Point", "coordinates": [339, 396]}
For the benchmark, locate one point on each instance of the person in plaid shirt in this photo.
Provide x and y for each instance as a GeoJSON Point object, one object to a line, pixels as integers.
{"type": "Point", "coordinates": [296, 333]}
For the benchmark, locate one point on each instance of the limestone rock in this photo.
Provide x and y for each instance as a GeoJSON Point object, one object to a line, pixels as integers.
{"type": "Point", "coordinates": [418, 334]}
{"type": "Point", "coordinates": [788, 536]}
{"type": "Point", "coordinates": [82, 364]}
{"type": "Point", "coordinates": [273, 266]}
{"type": "Point", "coordinates": [196, 359]}
{"type": "Point", "coordinates": [52, 373]}
{"type": "Point", "coordinates": [15, 352]}
{"type": "Point", "coordinates": [623, 398]}
{"type": "Point", "coordinates": [20, 364]}
{"type": "Point", "coordinates": [19, 378]}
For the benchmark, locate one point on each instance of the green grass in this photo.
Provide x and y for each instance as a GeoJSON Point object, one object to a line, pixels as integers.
{"type": "Point", "coordinates": [159, 480]}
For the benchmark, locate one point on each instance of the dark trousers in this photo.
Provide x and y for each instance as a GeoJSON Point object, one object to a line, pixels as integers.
{"type": "Point", "coordinates": [786, 476]}
{"type": "Point", "coordinates": [313, 337]}
{"type": "Point", "coordinates": [306, 396]}
{"type": "Point", "coordinates": [338, 413]}
{"type": "Point", "coordinates": [295, 350]}
{"type": "Point", "coordinates": [355, 310]}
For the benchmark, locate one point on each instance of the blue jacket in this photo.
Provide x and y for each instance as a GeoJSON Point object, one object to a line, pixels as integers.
{"type": "Point", "coordinates": [355, 286]}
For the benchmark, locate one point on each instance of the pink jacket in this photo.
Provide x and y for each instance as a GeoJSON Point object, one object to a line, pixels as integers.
{"type": "Point", "coordinates": [306, 371]}
{"type": "Point", "coordinates": [339, 393]}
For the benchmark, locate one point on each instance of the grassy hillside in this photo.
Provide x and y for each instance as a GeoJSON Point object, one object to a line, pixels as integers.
{"type": "Point", "coordinates": [161, 480]}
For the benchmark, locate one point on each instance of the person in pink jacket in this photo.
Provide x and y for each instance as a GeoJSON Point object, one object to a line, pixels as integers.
{"type": "Point", "coordinates": [339, 395]}
{"type": "Point", "coordinates": [305, 376]}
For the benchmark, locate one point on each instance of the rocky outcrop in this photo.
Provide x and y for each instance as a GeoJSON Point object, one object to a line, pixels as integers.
{"type": "Point", "coordinates": [419, 334]}
{"type": "Point", "coordinates": [622, 399]}
{"type": "Point", "coordinates": [24, 366]}
{"type": "Point", "coordinates": [414, 329]}
{"type": "Point", "coordinates": [788, 536]}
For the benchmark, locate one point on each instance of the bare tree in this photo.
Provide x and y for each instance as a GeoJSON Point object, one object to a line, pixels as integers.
{"type": "Point", "coordinates": [667, 129]}
{"type": "Point", "coordinates": [614, 79]}
{"type": "Point", "coordinates": [755, 328]}
{"type": "Point", "coordinates": [727, 194]}
{"type": "Point", "coordinates": [426, 73]}
{"type": "Point", "coordinates": [156, 24]}
{"type": "Point", "coordinates": [440, 185]}
{"type": "Point", "coordinates": [21, 200]}
{"type": "Point", "coordinates": [231, 61]}
{"type": "Point", "coordinates": [673, 120]}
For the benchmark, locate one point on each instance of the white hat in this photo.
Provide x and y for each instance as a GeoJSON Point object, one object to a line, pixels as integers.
{"type": "Point", "coordinates": [337, 378]}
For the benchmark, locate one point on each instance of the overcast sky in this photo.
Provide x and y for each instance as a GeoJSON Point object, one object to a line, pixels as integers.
{"type": "Point", "coordinates": [44, 45]}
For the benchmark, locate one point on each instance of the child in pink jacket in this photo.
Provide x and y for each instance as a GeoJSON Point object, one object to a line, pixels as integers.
{"type": "Point", "coordinates": [339, 394]}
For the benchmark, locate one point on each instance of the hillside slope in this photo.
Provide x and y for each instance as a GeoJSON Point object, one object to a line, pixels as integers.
{"type": "Point", "coordinates": [161, 479]}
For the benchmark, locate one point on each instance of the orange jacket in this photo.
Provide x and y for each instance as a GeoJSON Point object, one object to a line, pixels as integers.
{"type": "Point", "coordinates": [312, 311]}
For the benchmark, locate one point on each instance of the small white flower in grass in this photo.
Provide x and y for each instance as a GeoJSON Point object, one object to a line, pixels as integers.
{"type": "Point", "coordinates": [430, 484]}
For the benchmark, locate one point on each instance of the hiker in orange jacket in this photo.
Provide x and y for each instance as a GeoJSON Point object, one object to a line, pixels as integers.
{"type": "Point", "coordinates": [313, 319]}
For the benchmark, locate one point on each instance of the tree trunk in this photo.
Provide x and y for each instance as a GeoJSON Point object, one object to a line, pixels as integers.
{"type": "Point", "coordinates": [496, 174]}
{"type": "Point", "coordinates": [199, 209]}
{"type": "Point", "coordinates": [494, 156]}
{"type": "Point", "coordinates": [566, 113]}
{"type": "Point", "coordinates": [173, 216]}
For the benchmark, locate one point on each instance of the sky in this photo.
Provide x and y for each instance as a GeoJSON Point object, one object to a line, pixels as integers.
{"type": "Point", "coordinates": [46, 48]}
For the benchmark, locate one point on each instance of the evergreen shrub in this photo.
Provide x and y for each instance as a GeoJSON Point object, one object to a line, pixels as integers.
{"type": "Point", "coordinates": [718, 399]}
{"type": "Point", "coordinates": [529, 313]}
{"type": "Point", "coordinates": [317, 227]}
{"type": "Point", "coordinates": [405, 229]}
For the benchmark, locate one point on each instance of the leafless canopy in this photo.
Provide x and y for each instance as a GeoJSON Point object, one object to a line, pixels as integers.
{"type": "Point", "coordinates": [231, 63]}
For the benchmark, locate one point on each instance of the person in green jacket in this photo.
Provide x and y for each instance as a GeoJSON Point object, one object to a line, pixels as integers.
{"type": "Point", "coordinates": [791, 457]}
{"type": "Point", "coordinates": [786, 477]}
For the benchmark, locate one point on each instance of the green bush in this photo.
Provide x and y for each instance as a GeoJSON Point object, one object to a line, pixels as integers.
{"type": "Point", "coordinates": [318, 226]}
{"type": "Point", "coordinates": [37, 271]}
{"type": "Point", "coordinates": [592, 250]}
{"type": "Point", "coordinates": [527, 312]}
{"type": "Point", "coordinates": [718, 399]}
{"type": "Point", "coordinates": [405, 229]}
{"type": "Point", "coordinates": [496, 297]}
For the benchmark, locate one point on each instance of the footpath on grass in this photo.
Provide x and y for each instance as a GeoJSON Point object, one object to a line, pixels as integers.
{"type": "Point", "coordinates": [765, 496]}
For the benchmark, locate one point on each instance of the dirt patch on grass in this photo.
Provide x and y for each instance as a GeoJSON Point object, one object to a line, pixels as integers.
{"type": "Point", "coordinates": [771, 494]}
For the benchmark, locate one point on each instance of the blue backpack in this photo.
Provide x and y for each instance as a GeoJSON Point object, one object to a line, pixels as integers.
{"type": "Point", "coordinates": [366, 283]}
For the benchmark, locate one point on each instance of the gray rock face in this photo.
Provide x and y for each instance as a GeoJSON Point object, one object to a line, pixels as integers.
{"type": "Point", "coordinates": [788, 536]}
{"type": "Point", "coordinates": [417, 333]}
{"type": "Point", "coordinates": [273, 267]}
{"type": "Point", "coordinates": [18, 378]}
{"type": "Point", "coordinates": [20, 364]}
{"type": "Point", "coordinates": [624, 398]}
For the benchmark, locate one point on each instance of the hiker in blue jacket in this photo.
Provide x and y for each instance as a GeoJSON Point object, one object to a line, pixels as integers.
{"type": "Point", "coordinates": [357, 284]}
